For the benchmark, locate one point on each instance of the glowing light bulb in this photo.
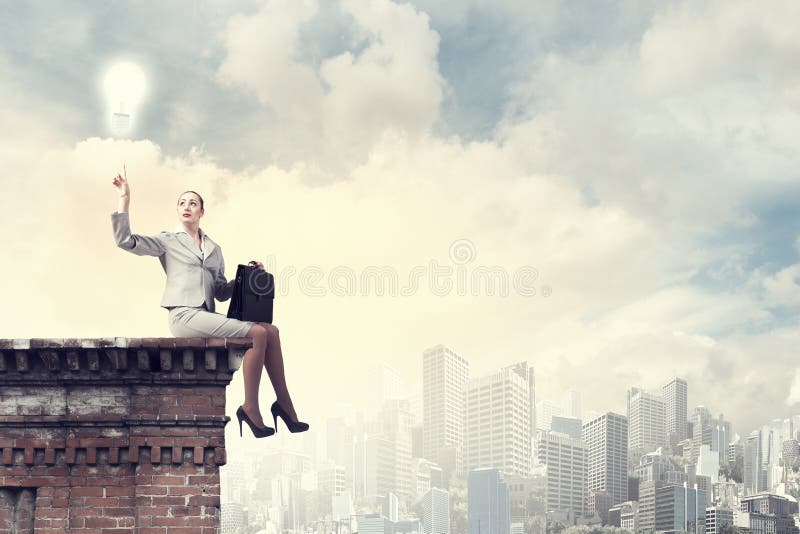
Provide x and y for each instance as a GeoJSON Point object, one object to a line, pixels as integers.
{"type": "Point", "coordinates": [124, 85]}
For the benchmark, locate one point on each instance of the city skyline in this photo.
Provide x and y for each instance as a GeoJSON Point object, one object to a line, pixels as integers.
{"type": "Point", "coordinates": [599, 481]}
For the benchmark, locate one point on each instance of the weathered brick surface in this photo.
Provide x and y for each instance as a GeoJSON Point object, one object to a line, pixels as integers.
{"type": "Point", "coordinates": [114, 434]}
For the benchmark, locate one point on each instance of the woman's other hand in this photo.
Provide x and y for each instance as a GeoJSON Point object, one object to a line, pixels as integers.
{"type": "Point", "coordinates": [121, 183]}
{"type": "Point", "coordinates": [257, 264]}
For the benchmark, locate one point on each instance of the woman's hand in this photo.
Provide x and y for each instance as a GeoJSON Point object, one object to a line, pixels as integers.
{"type": "Point", "coordinates": [257, 264]}
{"type": "Point", "coordinates": [121, 183]}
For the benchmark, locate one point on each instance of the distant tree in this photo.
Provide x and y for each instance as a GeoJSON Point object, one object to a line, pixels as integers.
{"type": "Point", "coordinates": [727, 528]}
{"type": "Point", "coordinates": [458, 505]}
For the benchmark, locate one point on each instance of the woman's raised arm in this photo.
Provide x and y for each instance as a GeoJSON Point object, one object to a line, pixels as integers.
{"type": "Point", "coordinates": [140, 245]}
{"type": "Point", "coordinates": [121, 183]}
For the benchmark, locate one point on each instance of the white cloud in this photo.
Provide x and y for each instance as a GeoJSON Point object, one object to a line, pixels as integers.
{"type": "Point", "coordinates": [794, 390]}
{"type": "Point", "coordinates": [392, 83]}
{"type": "Point", "coordinates": [783, 288]}
{"type": "Point", "coordinates": [683, 127]}
{"type": "Point", "coordinates": [261, 57]}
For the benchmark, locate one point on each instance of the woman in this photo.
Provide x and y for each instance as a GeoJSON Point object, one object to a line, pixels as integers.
{"type": "Point", "coordinates": [187, 256]}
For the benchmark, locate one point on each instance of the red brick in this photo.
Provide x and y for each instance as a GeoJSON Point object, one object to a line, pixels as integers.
{"type": "Point", "coordinates": [123, 491]}
{"type": "Point", "coordinates": [87, 492]}
{"type": "Point", "coordinates": [97, 502]}
{"type": "Point", "coordinates": [168, 500]}
{"type": "Point", "coordinates": [151, 490]}
{"type": "Point", "coordinates": [184, 490]}
{"type": "Point", "coordinates": [100, 522]}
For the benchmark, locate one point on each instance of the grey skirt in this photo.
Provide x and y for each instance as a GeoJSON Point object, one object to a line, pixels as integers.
{"type": "Point", "coordinates": [185, 321]}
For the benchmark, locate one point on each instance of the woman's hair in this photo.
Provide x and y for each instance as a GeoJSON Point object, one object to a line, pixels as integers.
{"type": "Point", "coordinates": [196, 193]}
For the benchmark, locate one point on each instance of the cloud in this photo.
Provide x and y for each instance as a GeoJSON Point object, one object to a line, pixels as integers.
{"type": "Point", "coordinates": [388, 80]}
{"type": "Point", "coordinates": [261, 50]}
{"type": "Point", "coordinates": [782, 288]}
{"type": "Point", "coordinates": [393, 83]}
{"type": "Point", "coordinates": [794, 391]}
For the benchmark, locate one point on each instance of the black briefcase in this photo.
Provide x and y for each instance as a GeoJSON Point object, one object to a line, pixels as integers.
{"type": "Point", "coordinates": [253, 295]}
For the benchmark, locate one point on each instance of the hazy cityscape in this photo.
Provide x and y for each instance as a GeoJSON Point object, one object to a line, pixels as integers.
{"type": "Point", "coordinates": [487, 455]}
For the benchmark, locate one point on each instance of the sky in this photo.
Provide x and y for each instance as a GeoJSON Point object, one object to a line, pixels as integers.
{"type": "Point", "coordinates": [629, 168]}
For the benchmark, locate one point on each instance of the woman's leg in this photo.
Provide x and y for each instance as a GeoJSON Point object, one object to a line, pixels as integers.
{"type": "Point", "coordinates": [252, 364]}
{"type": "Point", "coordinates": [274, 365]}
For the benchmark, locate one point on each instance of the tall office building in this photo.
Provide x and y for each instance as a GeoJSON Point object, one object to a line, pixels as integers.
{"type": "Point", "coordinates": [754, 471]}
{"type": "Point", "coordinates": [390, 507]}
{"type": "Point", "coordinates": [436, 512]}
{"type": "Point", "coordinates": [389, 466]}
{"type": "Point", "coordinates": [717, 517]}
{"type": "Point", "coordinates": [373, 524]}
{"type": "Point", "coordinates": [235, 475]}
{"type": "Point", "coordinates": [675, 394]}
{"type": "Point", "coordinates": [488, 507]}
{"type": "Point", "coordinates": [383, 383]}
{"type": "Point", "coordinates": [645, 421]}
{"type": "Point", "coordinates": [791, 451]}
{"type": "Point", "coordinates": [497, 422]}
{"type": "Point", "coordinates": [671, 508]}
{"type": "Point", "coordinates": [381, 473]}
{"type": "Point", "coordinates": [710, 431]}
{"type": "Point", "coordinates": [444, 375]}
{"type": "Point", "coordinates": [232, 518]}
{"type": "Point", "coordinates": [331, 478]}
{"type": "Point", "coordinates": [767, 513]}
{"type": "Point", "coordinates": [566, 425]}
{"type": "Point", "coordinates": [735, 450]}
{"type": "Point", "coordinates": [659, 466]}
{"type": "Point", "coordinates": [571, 404]}
{"type": "Point", "coordinates": [565, 466]}
{"type": "Point", "coordinates": [772, 436]}
{"type": "Point", "coordinates": [606, 438]}
{"type": "Point", "coordinates": [526, 371]}
{"type": "Point", "coordinates": [545, 410]}
{"type": "Point", "coordinates": [340, 441]}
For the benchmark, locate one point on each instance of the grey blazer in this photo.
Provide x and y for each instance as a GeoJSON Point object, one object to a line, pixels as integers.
{"type": "Point", "coordinates": [191, 280]}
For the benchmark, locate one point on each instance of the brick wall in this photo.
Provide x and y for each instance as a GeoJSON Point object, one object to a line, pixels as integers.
{"type": "Point", "coordinates": [113, 435]}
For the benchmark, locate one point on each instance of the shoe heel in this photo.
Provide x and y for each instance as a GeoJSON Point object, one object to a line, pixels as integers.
{"type": "Point", "coordinates": [275, 422]}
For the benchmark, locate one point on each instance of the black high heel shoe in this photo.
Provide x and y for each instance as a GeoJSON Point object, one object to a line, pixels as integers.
{"type": "Point", "coordinates": [293, 426]}
{"type": "Point", "coordinates": [259, 432]}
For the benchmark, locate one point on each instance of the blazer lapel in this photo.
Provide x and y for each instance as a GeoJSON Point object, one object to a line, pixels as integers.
{"type": "Point", "coordinates": [187, 241]}
{"type": "Point", "coordinates": [210, 246]}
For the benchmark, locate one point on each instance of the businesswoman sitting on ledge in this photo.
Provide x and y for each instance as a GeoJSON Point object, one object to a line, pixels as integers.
{"type": "Point", "coordinates": [195, 277]}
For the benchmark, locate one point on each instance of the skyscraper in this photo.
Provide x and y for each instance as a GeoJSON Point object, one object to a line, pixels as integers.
{"type": "Point", "coordinates": [436, 512]}
{"type": "Point", "coordinates": [565, 461]}
{"type": "Point", "coordinates": [606, 439]}
{"type": "Point", "coordinates": [392, 450]}
{"type": "Point", "coordinates": [488, 506]}
{"type": "Point", "coordinates": [645, 421]}
{"type": "Point", "coordinates": [754, 472]}
{"type": "Point", "coordinates": [545, 410]}
{"type": "Point", "coordinates": [571, 404]}
{"type": "Point", "coordinates": [444, 375]}
{"type": "Point", "coordinates": [497, 419]}
{"type": "Point", "coordinates": [526, 371]}
{"type": "Point", "coordinates": [768, 514]}
{"type": "Point", "coordinates": [383, 383]}
{"type": "Point", "coordinates": [676, 406]}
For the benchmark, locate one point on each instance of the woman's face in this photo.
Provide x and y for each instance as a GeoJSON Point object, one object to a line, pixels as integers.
{"type": "Point", "coordinates": [189, 209]}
